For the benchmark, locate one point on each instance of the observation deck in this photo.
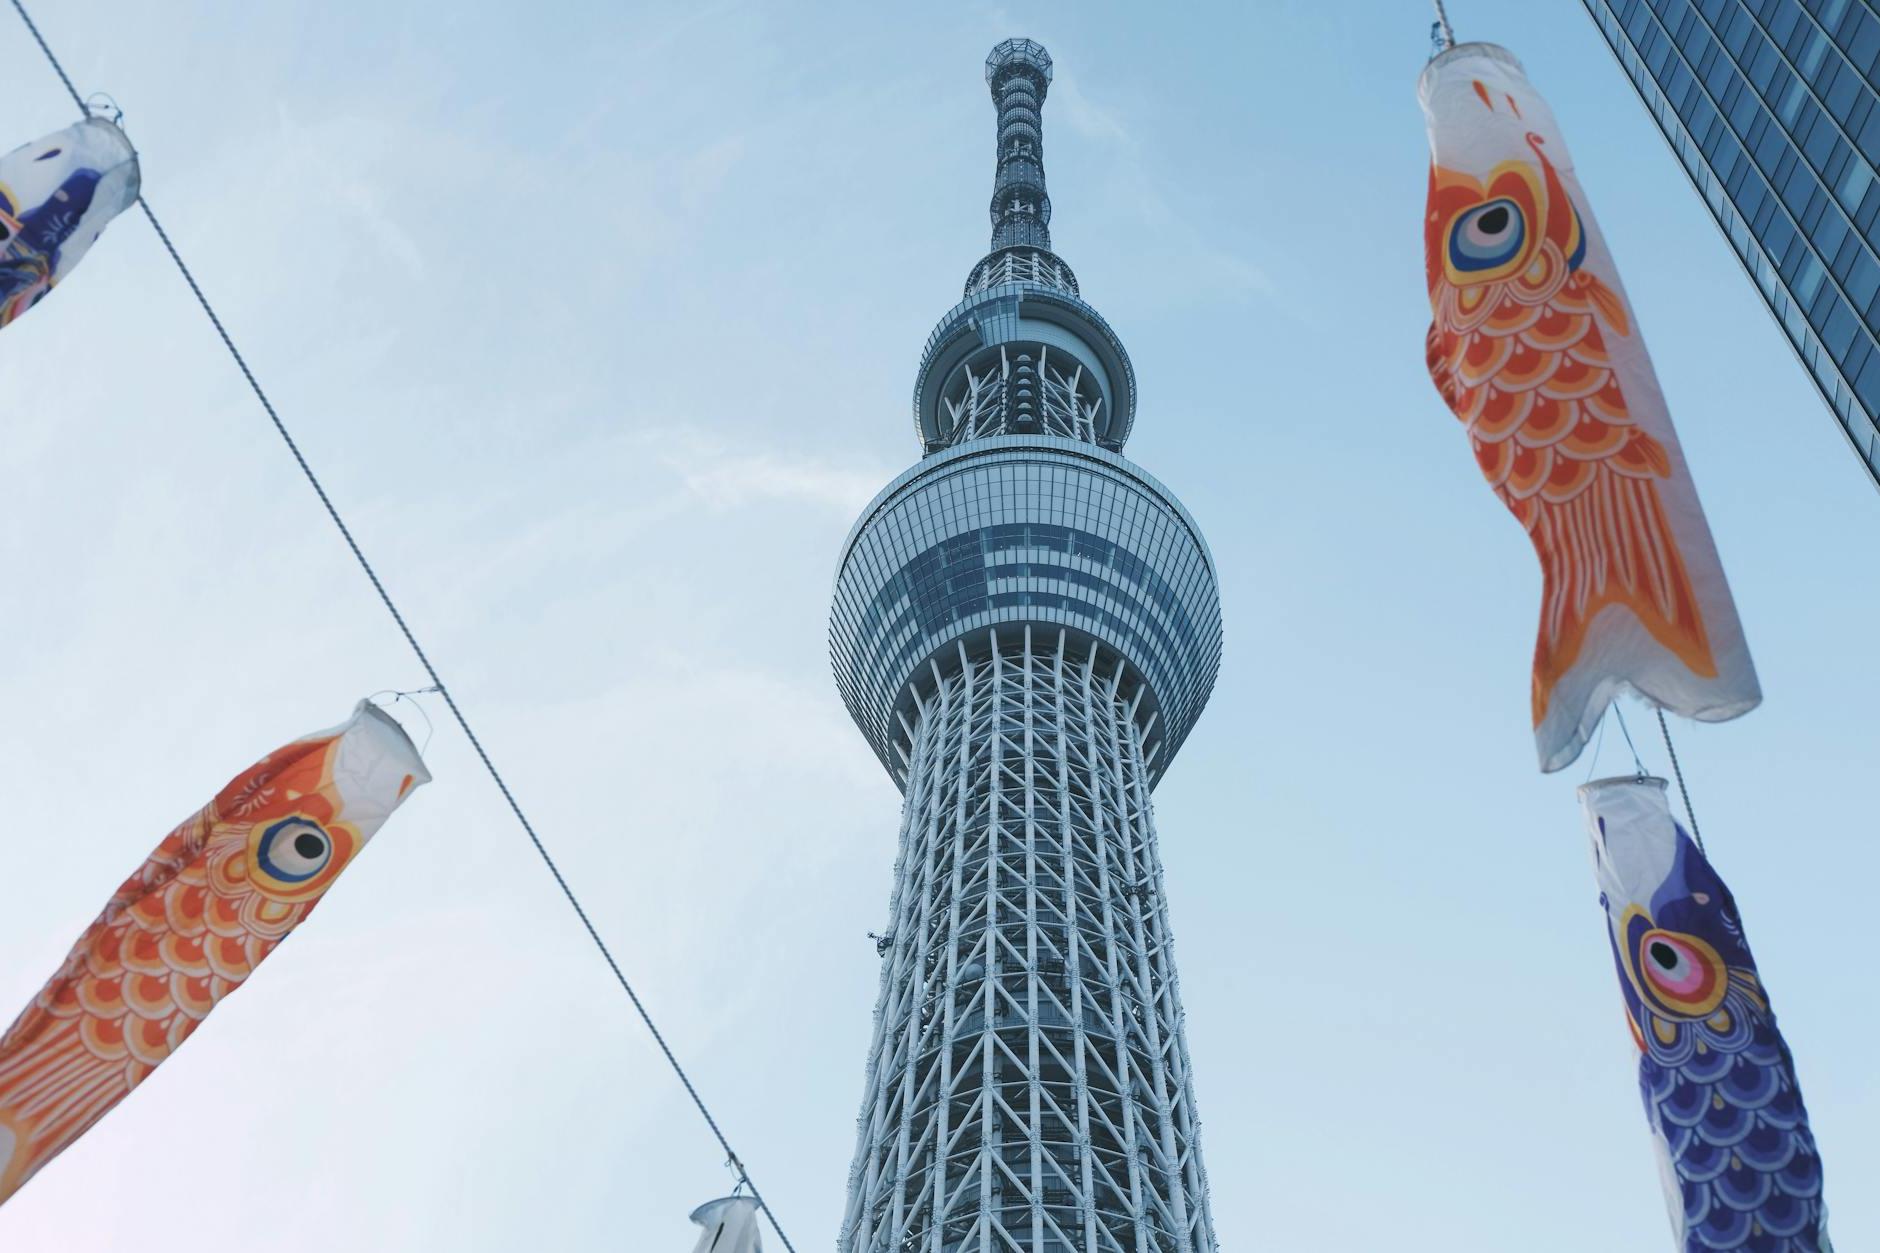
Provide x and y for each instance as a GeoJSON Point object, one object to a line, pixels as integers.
{"type": "Point", "coordinates": [1023, 514]}
{"type": "Point", "coordinates": [1016, 531]}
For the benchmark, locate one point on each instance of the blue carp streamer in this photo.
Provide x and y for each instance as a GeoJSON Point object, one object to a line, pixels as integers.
{"type": "Point", "coordinates": [56, 196]}
{"type": "Point", "coordinates": [1739, 1163]}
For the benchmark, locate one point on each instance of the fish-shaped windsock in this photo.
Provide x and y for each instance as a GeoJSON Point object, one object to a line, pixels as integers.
{"type": "Point", "coordinates": [56, 195]}
{"type": "Point", "coordinates": [730, 1226]}
{"type": "Point", "coordinates": [1533, 345]}
{"type": "Point", "coordinates": [214, 899]}
{"type": "Point", "coordinates": [1737, 1159]}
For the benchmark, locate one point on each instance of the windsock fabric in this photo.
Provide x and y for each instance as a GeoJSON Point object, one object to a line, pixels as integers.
{"type": "Point", "coordinates": [56, 196]}
{"type": "Point", "coordinates": [730, 1226]}
{"type": "Point", "coordinates": [214, 899]}
{"type": "Point", "coordinates": [1533, 345]}
{"type": "Point", "coordinates": [1735, 1154]}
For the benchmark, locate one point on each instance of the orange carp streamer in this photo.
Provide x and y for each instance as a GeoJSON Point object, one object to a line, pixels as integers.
{"type": "Point", "coordinates": [216, 897]}
{"type": "Point", "coordinates": [1533, 345]}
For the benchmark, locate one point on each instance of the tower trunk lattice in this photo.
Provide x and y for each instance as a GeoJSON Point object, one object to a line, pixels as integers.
{"type": "Point", "coordinates": [1026, 626]}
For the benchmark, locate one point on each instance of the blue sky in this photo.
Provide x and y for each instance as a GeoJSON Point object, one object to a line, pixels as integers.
{"type": "Point", "coordinates": [600, 322]}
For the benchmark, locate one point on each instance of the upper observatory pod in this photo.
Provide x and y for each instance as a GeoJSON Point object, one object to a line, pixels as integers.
{"type": "Point", "coordinates": [1022, 353]}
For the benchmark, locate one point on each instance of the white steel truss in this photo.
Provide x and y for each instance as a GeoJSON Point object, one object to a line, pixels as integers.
{"type": "Point", "coordinates": [1009, 391]}
{"type": "Point", "coordinates": [1028, 1085]}
{"type": "Point", "coordinates": [1022, 265]}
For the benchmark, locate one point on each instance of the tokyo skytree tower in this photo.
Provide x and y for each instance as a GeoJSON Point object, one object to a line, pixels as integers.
{"type": "Point", "coordinates": [1025, 627]}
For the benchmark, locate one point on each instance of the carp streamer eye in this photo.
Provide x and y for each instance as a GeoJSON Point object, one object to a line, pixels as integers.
{"type": "Point", "coordinates": [1487, 237]}
{"type": "Point", "coordinates": [294, 850]}
{"type": "Point", "coordinates": [1680, 973]}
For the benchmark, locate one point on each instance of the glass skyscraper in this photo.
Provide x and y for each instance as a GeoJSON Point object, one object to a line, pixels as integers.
{"type": "Point", "coordinates": [1771, 106]}
{"type": "Point", "coordinates": [1025, 627]}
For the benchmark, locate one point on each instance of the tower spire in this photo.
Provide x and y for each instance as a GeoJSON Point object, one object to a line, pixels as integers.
{"type": "Point", "coordinates": [1019, 73]}
{"type": "Point", "coordinates": [1022, 353]}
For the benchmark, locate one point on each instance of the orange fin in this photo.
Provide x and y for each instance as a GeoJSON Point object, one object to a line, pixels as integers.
{"type": "Point", "coordinates": [1612, 545]}
{"type": "Point", "coordinates": [1610, 307]}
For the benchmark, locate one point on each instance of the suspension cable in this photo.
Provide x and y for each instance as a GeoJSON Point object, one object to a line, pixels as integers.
{"type": "Point", "coordinates": [1446, 33]}
{"type": "Point", "coordinates": [1626, 731]}
{"type": "Point", "coordinates": [1689, 813]}
{"type": "Point", "coordinates": [424, 660]}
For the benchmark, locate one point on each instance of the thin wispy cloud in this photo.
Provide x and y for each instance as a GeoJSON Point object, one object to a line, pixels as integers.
{"type": "Point", "coordinates": [1138, 181]}
{"type": "Point", "coordinates": [732, 477]}
{"type": "Point", "coordinates": [738, 480]}
{"type": "Point", "coordinates": [1085, 116]}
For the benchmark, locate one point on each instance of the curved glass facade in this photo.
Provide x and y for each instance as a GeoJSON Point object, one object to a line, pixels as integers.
{"type": "Point", "coordinates": [1773, 106]}
{"type": "Point", "coordinates": [1017, 530]}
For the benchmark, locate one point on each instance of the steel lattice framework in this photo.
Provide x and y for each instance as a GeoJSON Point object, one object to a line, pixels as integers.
{"type": "Point", "coordinates": [1009, 392]}
{"type": "Point", "coordinates": [1026, 627]}
{"type": "Point", "coordinates": [1028, 1084]}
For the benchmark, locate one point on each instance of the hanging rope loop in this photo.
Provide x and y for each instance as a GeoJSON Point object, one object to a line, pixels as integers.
{"type": "Point", "coordinates": [430, 728]}
{"type": "Point", "coordinates": [100, 104]}
{"type": "Point", "coordinates": [1637, 763]}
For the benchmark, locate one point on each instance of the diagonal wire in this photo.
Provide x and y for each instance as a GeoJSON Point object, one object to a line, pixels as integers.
{"type": "Point", "coordinates": [58, 69]}
{"type": "Point", "coordinates": [404, 628]}
{"type": "Point", "coordinates": [1445, 32]}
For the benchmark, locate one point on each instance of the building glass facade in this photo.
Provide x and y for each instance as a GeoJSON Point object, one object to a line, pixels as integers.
{"type": "Point", "coordinates": [1025, 626]}
{"type": "Point", "coordinates": [1771, 106]}
{"type": "Point", "coordinates": [1010, 530]}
